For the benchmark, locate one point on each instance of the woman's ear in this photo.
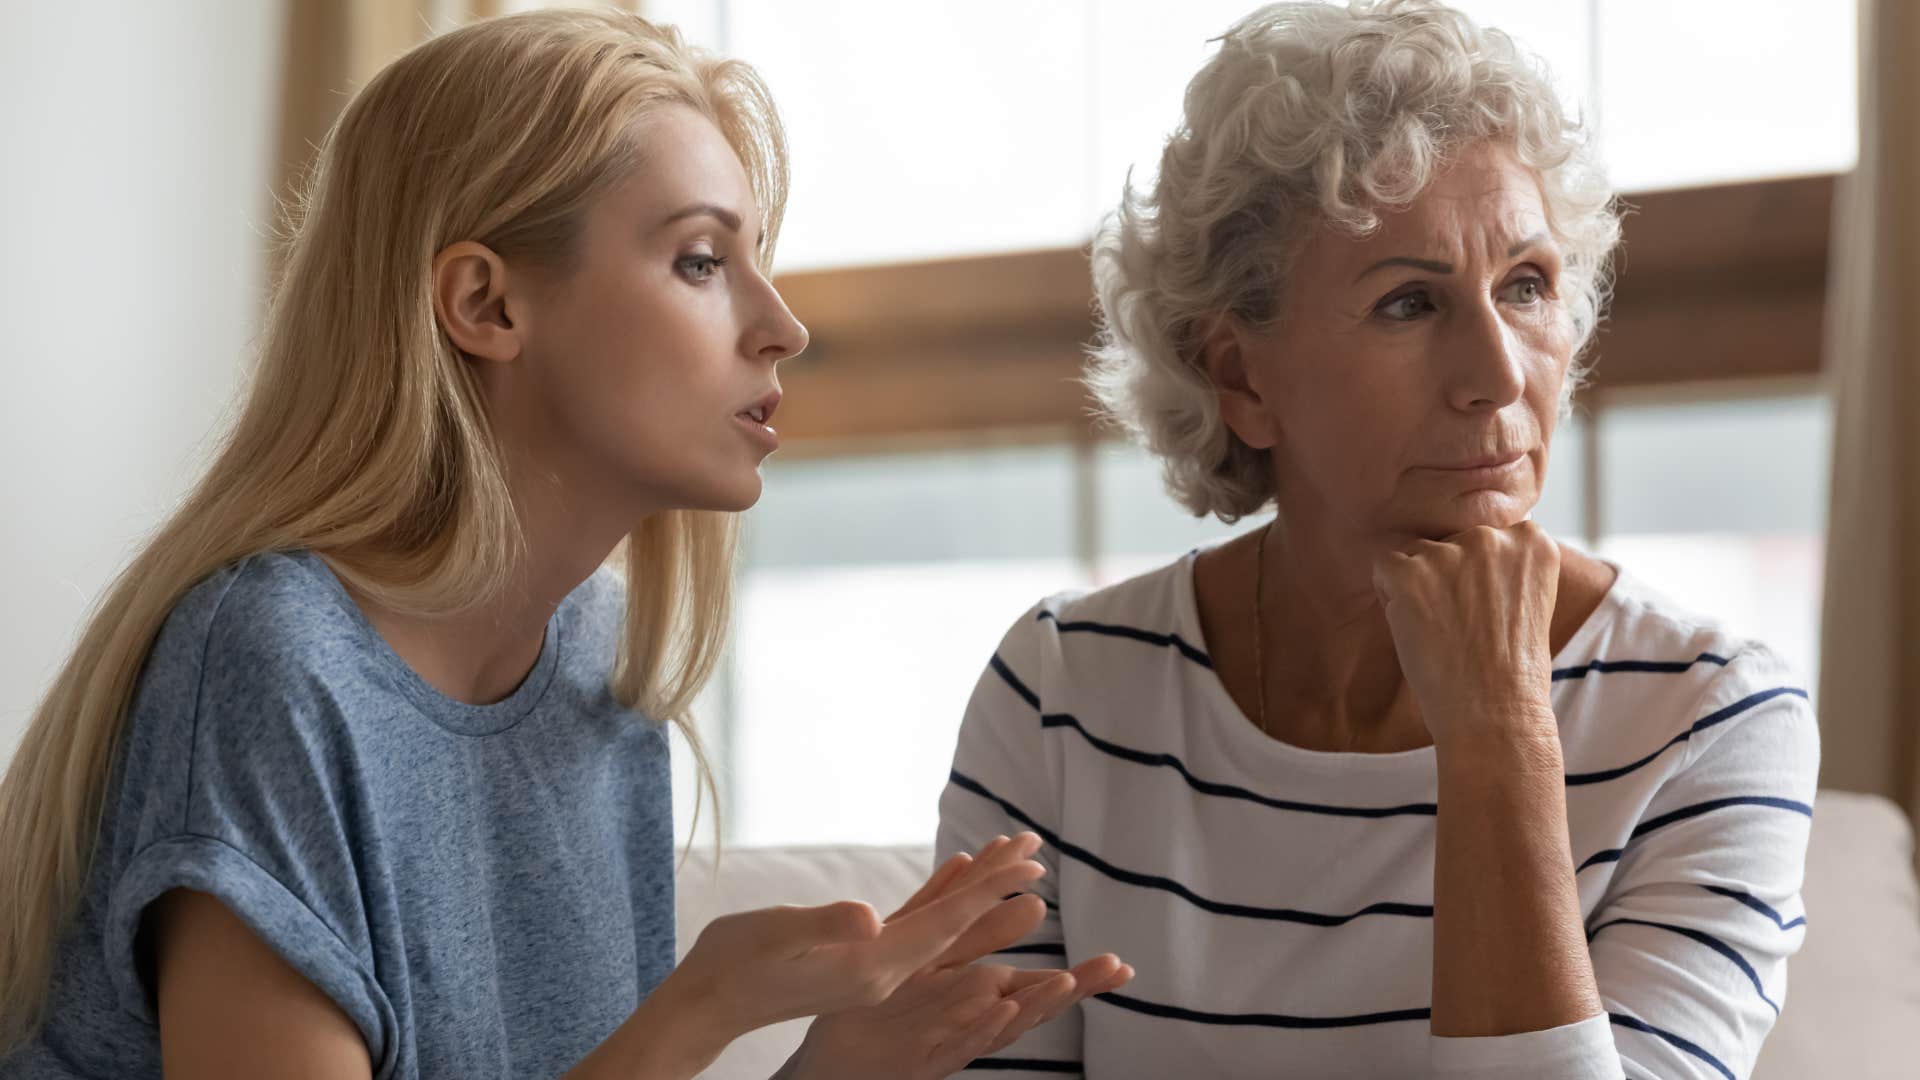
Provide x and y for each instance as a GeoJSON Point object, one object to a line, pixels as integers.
{"type": "Point", "coordinates": [470, 300]}
{"type": "Point", "coordinates": [1225, 349]}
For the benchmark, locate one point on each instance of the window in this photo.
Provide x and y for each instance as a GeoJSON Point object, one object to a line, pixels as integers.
{"type": "Point", "coordinates": [946, 128]}
{"type": "Point", "coordinates": [1721, 503]}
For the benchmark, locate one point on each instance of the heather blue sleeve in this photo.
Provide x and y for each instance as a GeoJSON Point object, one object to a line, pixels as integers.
{"type": "Point", "coordinates": [236, 785]}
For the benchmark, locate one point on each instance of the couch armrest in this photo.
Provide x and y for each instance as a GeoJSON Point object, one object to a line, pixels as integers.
{"type": "Point", "coordinates": [1853, 990]}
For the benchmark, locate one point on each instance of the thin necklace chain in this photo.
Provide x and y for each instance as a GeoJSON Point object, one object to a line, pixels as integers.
{"type": "Point", "coordinates": [1259, 625]}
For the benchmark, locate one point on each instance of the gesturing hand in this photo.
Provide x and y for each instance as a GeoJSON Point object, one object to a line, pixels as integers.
{"type": "Point", "coordinates": [760, 967]}
{"type": "Point", "coordinates": [954, 1010]}
{"type": "Point", "coordinates": [1470, 617]}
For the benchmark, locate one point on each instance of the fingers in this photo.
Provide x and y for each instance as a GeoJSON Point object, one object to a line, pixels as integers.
{"type": "Point", "coordinates": [1044, 994]}
{"type": "Point", "coordinates": [962, 867]}
{"type": "Point", "coordinates": [935, 884]}
{"type": "Point", "coordinates": [850, 958]}
{"type": "Point", "coordinates": [1008, 923]}
{"type": "Point", "coordinates": [1383, 577]}
{"type": "Point", "coordinates": [999, 853]}
{"type": "Point", "coordinates": [1038, 1003]}
{"type": "Point", "coordinates": [917, 939]}
{"type": "Point", "coordinates": [865, 967]}
{"type": "Point", "coordinates": [977, 1009]}
{"type": "Point", "coordinates": [1090, 979]}
{"type": "Point", "coordinates": [1098, 976]}
{"type": "Point", "coordinates": [981, 1036]}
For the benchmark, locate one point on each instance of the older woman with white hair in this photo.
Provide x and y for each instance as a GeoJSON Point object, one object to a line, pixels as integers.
{"type": "Point", "coordinates": [1395, 785]}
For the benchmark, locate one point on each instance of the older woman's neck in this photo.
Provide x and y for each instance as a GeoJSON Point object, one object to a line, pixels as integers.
{"type": "Point", "coordinates": [1317, 669]}
{"type": "Point", "coordinates": [1332, 671]}
{"type": "Point", "coordinates": [1333, 679]}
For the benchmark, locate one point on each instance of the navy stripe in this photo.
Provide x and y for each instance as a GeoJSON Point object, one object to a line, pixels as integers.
{"type": "Point", "coordinates": [1699, 725]}
{"type": "Point", "coordinates": [1228, 791]}
{"type": "Point", "coordinates": [1133, 633]}
{"type": "Point", "coordinates": [1709, 941]}
{"type": "Point", "coordinates": [1758, 905]}
{"type": "Point", "coordinates": [1231, 791]}
{"type": "Point", "coordinates": [1649, 825]}
{"type": "Point", "coordinates": [1273, 1020]}
{"type": "Point", "coordinates": [1013, 680]}
{"type": "Point", "coordinates": [1690, 1047]}
{"type": "Point", "coordinates": [1042, 949]}
{"type": "Point", "coordinates": [1205, 787]}
{"type": "Point", "coordinates": [1598, 857]}
{"type": "Point", "coordinates": [1697, 809]}
{"type": "Point", "coordinates": [1602, 667]}
{"type": "Point", "coordinates": [1218, 907]}
{"type": "Point", "coordinates": [1024, 1065]}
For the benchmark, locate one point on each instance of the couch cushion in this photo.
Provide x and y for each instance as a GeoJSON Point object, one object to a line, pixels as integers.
{"type": "Point", "coordinates": [1853, 991]}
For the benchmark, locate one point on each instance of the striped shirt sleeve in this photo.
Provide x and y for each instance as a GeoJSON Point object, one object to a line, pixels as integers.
{"type": "Point", "coordinates": [1001, 774]}
{"type": "Point", "coordinates": [1691, 941]}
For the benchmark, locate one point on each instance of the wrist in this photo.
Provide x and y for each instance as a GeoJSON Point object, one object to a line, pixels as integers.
{"type": "Point", "coordinates": [1509, 738]}
{"type": "Point", "coordinates": [679, 1029]}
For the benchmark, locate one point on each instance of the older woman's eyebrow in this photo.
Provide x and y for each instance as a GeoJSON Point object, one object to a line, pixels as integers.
{"type": "Point", "coordinates": [1522, 245]}
{"type": "Point", "coordinates": [1429, 265]}
{"type": "Point", "coordinates": [1434, 266]}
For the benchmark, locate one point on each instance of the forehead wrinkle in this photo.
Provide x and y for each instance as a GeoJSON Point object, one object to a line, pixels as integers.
{"type": "Point", "coordinates": [1455, 229]}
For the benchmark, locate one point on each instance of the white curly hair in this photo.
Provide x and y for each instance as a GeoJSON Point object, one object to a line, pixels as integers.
{"type": "Point", "coordinates": [1312, 113]}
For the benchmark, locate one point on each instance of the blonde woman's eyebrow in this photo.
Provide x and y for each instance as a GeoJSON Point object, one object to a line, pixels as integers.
{"type": "Point", "coordinates": [718, 213]}
{"type": "Point", "coordinates": [721, 214]}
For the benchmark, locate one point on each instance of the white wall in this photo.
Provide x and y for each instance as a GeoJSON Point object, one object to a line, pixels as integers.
{"type": "Point", "coordinates": [136, 144]}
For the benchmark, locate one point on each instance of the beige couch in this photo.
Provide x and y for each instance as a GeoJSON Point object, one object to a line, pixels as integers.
{"type": "Point", "coordinates": [1854, 997]}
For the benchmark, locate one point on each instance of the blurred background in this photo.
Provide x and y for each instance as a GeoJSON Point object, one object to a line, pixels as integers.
{"type": "Point", "coordinates": [940, 472]}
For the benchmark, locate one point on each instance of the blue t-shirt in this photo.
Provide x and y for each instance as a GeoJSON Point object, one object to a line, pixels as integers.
{"type": "Point", "coordinates": [486, 891]}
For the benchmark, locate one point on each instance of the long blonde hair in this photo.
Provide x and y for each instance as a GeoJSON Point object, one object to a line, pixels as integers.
{"type": "Point", "coordinates": [364, 435]}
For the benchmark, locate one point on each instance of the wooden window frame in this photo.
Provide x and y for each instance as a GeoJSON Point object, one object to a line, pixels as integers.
{"type": "Point", "coordinates": [1711, 284]}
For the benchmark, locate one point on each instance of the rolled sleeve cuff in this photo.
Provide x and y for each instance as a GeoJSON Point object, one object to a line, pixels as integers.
{"type": "Point", "coordinates": [1582, 1050]}
{"type": "Point", "coordinates": [279, 918]}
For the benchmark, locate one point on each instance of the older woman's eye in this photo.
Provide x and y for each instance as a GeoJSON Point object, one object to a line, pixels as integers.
{"type": "Point", "coordinates": [1527, 290]}
{"type": "Point", "coordinates": [1404, 307]}
{"type": "Point", "coordinates": [699, 268]}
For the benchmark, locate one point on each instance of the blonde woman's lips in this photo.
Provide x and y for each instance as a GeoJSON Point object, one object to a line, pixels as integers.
{"type": "Point", "coordinates": [755, 425]}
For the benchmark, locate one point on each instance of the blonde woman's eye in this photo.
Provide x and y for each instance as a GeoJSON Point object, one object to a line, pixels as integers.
{"type": "Point", "coordinates": [700, 267]}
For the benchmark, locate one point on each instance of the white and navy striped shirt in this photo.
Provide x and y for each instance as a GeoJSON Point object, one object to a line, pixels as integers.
{"type": "Point", "coordinates": [1277, 902]}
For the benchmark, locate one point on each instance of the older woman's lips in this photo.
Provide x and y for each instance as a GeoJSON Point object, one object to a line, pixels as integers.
{"type": "Point", "coordinates": [1486, 472]}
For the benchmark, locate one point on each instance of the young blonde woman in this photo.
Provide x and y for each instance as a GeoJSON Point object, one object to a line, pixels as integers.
{"type": "Point", "coordinates": [360, 768]}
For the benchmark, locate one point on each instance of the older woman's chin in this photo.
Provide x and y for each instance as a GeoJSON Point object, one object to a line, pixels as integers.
{"type": "Point", "coordinates": [1495, 509]}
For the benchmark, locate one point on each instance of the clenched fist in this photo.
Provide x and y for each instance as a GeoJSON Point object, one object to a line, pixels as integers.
{"type": "Point", "coordinates": [1470, 617]}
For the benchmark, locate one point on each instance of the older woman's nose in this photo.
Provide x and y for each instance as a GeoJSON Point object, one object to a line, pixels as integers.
{"type": "Point", "coordinates": [1483, 369]}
